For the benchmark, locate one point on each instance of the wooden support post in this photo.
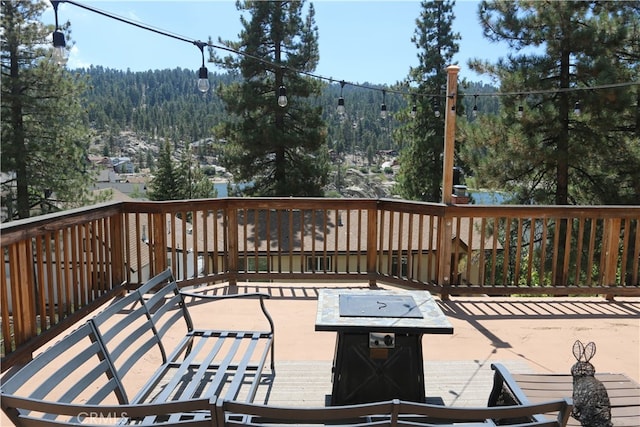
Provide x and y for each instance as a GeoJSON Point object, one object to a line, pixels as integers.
{"type": "Point", "coordinates": [449, 134]}
{"type": "Point", "coordinates": [232, 252]}
{"type": "Point", "coordinates": [445, 224]}
{"type": "Point", "coordinates": [117, 237]}
{"type": "Point", "coordinates": [159, 246]}
{"type": "Point", "coordinates": [372, 245]}
{"type": "Point", "coordinates": [611, 253]}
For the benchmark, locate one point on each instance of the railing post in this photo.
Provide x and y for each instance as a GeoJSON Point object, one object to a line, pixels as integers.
{"type": "Point", "coordinates": [117, 239]}
{"type": "Point", "coordinates": [449, 134]}
{"type": "Point", "coordinates": [445, 226]}
{"type": "Point", "coordinates": [158, 241]}
{"type": "Point", "coordinates": [445, 235]}
{"type": "Point", "coordinates": [372, 245]}
{"type": "Point", "coordinates": [232, 247]}
{"type": "Point", "coordinates": [611, 242]}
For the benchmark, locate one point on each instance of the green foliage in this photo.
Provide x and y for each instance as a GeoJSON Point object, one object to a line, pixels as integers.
{"type": "Point", "coordinates": [159, 104]}
{"type": "Point", "coordinates": [420, 175]}
{"type": "Point", "coordinates": [552, 155]}
{"type": "Point", "coordinates": [279, 150]}
{"type": "Point", "coordinates": [179, 180]}
{"type": "Point", "coordinates": [163, 185]}
{"type": "Point", "coordinates": [44, 132]}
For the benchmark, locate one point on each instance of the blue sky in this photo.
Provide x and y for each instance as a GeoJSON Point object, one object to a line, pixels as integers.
{"type": "Point", "coordinates": [360, 41]}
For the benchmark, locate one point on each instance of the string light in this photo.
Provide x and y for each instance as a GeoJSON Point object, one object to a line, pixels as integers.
{"type": "Point", "coordinates": [203, 74]}
{"type": "Point", "coordinates": [520, 112]}
{"type": "Point", "coordinates": [59, 43]}
{"type": "Point", "coordinates": [60, 53]}
{"type": "Point", "coordinates": [341, 109]}
{"type": "Point", "coordinates": [414, 108]}
{"type": "Point", "coordinates": [282, 96]}
{"type": "Point", "coordinates": [474, 113]}
{"type": "Point", "coordinates": [576, 108]}
{"type": "Point", "coordinates": [383, 107]}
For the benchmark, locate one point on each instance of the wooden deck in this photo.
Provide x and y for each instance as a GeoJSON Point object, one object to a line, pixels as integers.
{"type": "Point", "coordinates": [624, 394]}
{"type": "Point", "coordinates": [532, 337]}
{"type": "Point", "coordinates": [458, 382]}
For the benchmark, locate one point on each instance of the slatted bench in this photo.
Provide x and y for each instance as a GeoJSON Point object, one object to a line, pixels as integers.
{"type": "Point", "coordinates": [205, 362]}
{"type": "Point", "coordinates": [99, 363]}
{"type": "Point", "coordinates": [395, 413]}
{"type": "Point", "coordinates": [624, 393]}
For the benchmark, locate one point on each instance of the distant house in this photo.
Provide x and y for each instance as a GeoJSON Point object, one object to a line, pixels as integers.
{"type": "Point", "coordinates": [122, 165]}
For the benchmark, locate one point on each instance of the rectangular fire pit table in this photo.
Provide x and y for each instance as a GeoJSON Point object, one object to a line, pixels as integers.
{"type": "Point", "coordinates": [379, 344]}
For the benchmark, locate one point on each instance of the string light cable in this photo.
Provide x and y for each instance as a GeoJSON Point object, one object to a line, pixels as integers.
{"type": "Point", "coordinates": [203, 73]}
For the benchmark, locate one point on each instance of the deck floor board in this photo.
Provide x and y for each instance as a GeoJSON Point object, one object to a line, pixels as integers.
{"type": "Point", "coordinates": [456, 382]}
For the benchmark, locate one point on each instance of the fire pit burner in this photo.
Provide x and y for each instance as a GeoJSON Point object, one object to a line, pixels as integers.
{"type": "Point", "coordinates": [371, 305]}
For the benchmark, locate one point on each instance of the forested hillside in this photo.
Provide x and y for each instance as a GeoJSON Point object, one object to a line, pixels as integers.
{"type": "Point", "coordinates": [165, 104]}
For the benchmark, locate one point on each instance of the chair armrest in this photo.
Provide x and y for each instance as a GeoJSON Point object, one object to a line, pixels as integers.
{"type": "Point", "coordinates": [251, 295]}
{"type": "Point", "coordinates": [504, 382]}
{"type": "Point", "coordinates": [226, 296]}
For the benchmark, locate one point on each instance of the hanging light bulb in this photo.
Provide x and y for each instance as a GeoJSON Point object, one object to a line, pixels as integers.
{"type": "Point", "coordinates": [414, 109]}
{"type": "Point", "coordinates": [282, 96]}
{"type": "Point", "coordinates": [474, 113]}
{"type": "Point", "coordinates": [576, 108]}
{"type": "Point", "coordinates": [520, 112]}
{"type": "Point", "coordinates": [203, 80]}
{"type": "Point", "coordinates": [383, 107]}
{"type": "Point", "coordinates": [383, 111]}
{"type": "Point", "coordinates": [341, 109]}
{"type": "Point", "coordinates": [436, 108]}
{"type": "Point", "coordinates": [203, 73]}
{"type": "Point", "coordinates": [60, 53]}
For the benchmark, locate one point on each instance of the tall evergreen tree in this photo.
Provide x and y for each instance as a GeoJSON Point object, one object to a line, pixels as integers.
{"type": "Point", "coordinates": [44, 134]}
{"type": "Point", "coordinates": [194, 184]}
{"type": "Point", "coordinates": [279, 150]}
{"type": "Point", "coordinates": [164, 184]}
{"type": "Point", "coordinates": [181, 180]}
{"type": "Point", "coordinates": [420, 175]}
{"type": "Point", "coordinates": [552, 154]}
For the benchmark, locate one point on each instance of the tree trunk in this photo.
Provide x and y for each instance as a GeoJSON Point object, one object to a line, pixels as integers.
{"type": "Point", "coordinates": [18, 143]}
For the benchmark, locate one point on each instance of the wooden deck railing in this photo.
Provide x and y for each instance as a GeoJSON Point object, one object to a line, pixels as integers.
{"type": "Point", "coordinates": [62, 266]}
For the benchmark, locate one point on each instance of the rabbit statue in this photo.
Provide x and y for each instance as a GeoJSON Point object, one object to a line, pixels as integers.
{"type": "Point", "coordinates": [591, 404]}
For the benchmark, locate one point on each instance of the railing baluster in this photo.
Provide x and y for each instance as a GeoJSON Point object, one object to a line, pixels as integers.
{"type": "Point", "coordinates": [470, 245]}
{"type": "Point", "coordinates": [7, 338]}
{"type": "Point", "coordinates": [40, 280]}
{"type": "Point", "coordinates": [533, 224]}
{"type": "Point", "coordinates": [625, 247]}
{"type": "Point", "coordinates": [481, 263]}
{"type": "Point", "coordinates": [518, 255]}
{"type": "Point", "coordinates": [636, 253]}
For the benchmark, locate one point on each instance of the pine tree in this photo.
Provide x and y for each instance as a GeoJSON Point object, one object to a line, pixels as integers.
{"type": "Point", "coordinates": [279, 150]}
{"type": "Point", "coordinates": [420, 175]}
{"type": "Point", "coordinates": [44, 135]}
{"type": "Point", "coordinates": [557, 153]}
{"type": "Point", "coordinates": [181, 180]}
{"type": "Point", "coordinates": [192, 182]}
{"type": "Point", "coordinates": [164, 184]}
